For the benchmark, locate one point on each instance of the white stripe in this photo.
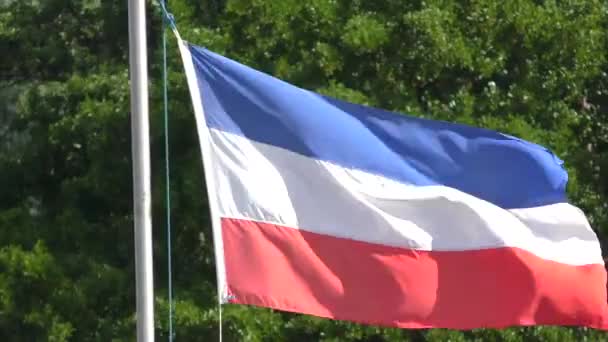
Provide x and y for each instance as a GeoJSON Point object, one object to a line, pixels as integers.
{"type": "Point", "coordinates": [265, 183]}
{"type": "Point", "coordinates": [205, 144]}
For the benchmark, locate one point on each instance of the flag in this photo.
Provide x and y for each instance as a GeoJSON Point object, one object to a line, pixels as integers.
{"type": "Point", "coordinates": [348, 212]}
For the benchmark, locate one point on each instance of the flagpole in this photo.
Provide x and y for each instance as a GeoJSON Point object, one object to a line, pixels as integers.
{"type": "Point", "coordinates": [140, 147]}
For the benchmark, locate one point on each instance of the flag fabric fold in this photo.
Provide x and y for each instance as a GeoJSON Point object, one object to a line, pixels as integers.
{"type": "Point", "coordinates": [343, 211]}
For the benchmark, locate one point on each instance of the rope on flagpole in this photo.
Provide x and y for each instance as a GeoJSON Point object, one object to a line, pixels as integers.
{"type": "Point", "coordinates": [167, 19]}
{"type": "Point", "coordinates": [219, 308]}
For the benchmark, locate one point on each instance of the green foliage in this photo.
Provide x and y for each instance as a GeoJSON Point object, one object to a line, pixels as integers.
{"type": "Point", "coordinates": [535, 69]}
{"type": "Point", "coordinates": [364, 33]}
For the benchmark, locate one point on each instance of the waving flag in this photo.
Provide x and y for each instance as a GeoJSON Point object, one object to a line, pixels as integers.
{"type": "Point", "coordinates": [348, 212]}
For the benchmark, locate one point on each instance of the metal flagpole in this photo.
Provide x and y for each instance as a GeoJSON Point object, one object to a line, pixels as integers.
{"type": "Point", "coordinates": [140, 146]}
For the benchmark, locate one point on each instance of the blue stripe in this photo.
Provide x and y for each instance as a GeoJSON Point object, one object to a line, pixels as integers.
{"type": "Point", "coordinates": [504, 170]}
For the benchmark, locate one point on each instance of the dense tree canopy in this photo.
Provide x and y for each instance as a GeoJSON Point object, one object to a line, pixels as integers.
{"type": "Point", "coordinates": [536, 69]}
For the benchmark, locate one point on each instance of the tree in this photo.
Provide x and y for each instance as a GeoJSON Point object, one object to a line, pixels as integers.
{"type": "Point", "coordinates": [535, 69]}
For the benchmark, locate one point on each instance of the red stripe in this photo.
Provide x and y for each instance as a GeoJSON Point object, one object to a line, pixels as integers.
{"type": "Point", "coordinates": [294, 270]}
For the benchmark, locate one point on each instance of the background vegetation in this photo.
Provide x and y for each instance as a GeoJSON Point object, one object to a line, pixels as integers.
{"type": "Point", "coordinates": [535, 69]}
